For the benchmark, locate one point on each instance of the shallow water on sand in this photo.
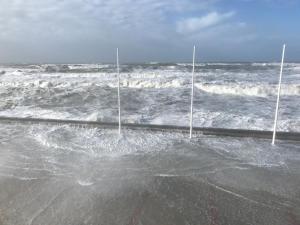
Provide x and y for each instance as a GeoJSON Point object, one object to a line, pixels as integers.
{"type": "Point", "coordinates": [70, 175]}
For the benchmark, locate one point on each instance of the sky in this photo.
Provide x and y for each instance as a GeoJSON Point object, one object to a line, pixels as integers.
{"type": "Point", "coordinates": [89, 31]}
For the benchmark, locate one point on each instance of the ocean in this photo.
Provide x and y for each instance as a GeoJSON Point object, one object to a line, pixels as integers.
{"type": "Point", "coordinates": [228, 95]}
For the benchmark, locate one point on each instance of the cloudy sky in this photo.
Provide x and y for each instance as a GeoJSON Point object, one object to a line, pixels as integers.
{"type": "Point", "coordinates": [148, 30]}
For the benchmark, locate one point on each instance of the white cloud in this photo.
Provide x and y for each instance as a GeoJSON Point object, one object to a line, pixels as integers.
{"type": "Point", "coordinates": [228, 33]}
{"type": "Point", "coordinates": [57, 17]}
{"type": "Point", "coordinates": [195, 24]}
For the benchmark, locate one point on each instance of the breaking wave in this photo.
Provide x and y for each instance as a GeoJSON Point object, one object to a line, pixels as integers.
{"type": "Point", "coordinates": [250, 90]}
{"type": "Point", "coordinates": [246, 89]}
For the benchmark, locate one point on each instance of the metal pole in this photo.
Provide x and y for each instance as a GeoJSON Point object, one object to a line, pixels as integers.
{"type": "Point", "coordinates": [192, 94]}
{"type": "Point", "coordinates": [278, 96]}
{"type": "Point", "coordinates": [119, 99]}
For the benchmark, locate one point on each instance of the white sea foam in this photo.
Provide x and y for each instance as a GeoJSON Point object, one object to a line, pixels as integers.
{"type": "Point", "coordinates": [101, 143]}
{"type": "Point", "coordinates": [258, 152]}
{"type": "Point", "coordinates": [250, 89]}
{"type": "Point", "coordinates": [260, 90]}
{"type": "Point", "coordinates": [85, 183]}
{"type": "Point", "coordinates": [152, 84]}
{"type": "Point", "coordinates": [107, 143]}
{"type": "Point", "coordinates": [36, 112]}
{"type": "Point", "coordinates": [29, 91]}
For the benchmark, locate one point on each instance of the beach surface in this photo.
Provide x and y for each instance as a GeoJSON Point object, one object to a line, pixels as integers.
{"type": "Point", "coordinates": [74, 175]}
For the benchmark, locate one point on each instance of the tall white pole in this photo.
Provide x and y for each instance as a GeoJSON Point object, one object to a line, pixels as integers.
{"type": "Point", "coordinates": [119, 100]}
{"type": "Point", "coordinates": [192, 94]}
{"type": "Point", "coordinates": [278, 96]}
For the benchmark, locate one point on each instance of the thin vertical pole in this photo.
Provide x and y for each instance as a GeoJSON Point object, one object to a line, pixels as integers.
{"type": "Point", "coordinates": [192, 94]}
{"type": "Point", "coordinates": [119, 99]}
{"type": "Point", "coordinates": [278, 96]}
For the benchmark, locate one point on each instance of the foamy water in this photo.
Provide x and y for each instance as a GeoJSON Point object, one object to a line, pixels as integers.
{"type": "Point", "coordinates": [236, 95]}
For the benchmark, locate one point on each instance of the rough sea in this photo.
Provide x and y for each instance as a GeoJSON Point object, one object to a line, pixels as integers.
{"type": "Point", "coordinates": [233, 95]}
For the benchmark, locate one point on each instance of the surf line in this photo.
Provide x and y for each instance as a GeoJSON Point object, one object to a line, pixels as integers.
{"type": "Point", "coordinates": [239, 133]}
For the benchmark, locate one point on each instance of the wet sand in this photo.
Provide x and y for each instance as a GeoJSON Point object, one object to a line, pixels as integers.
{"type": "Point", "coordinates": [48, 180]}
